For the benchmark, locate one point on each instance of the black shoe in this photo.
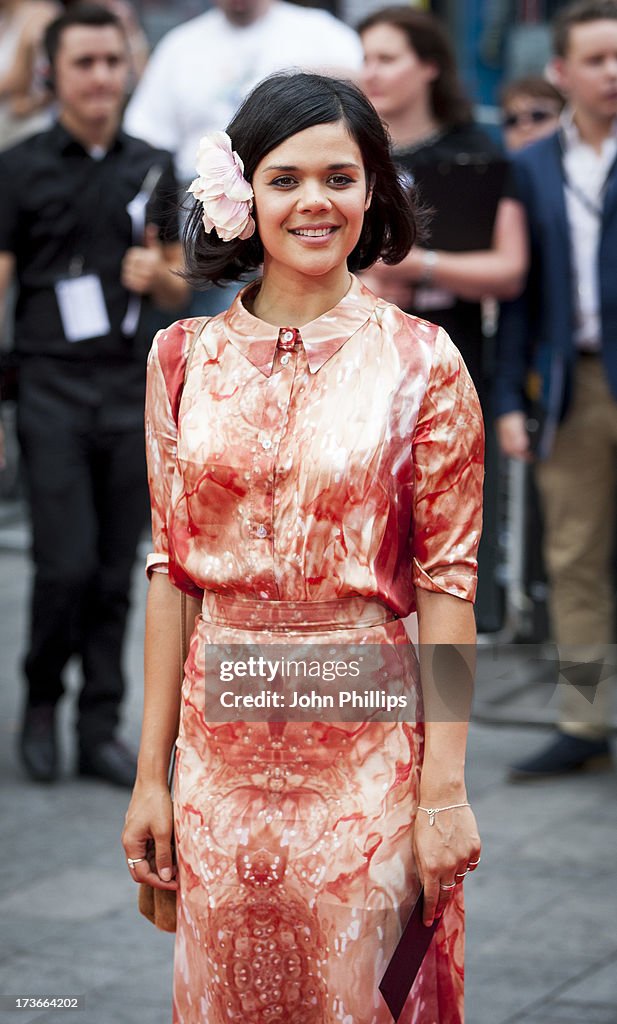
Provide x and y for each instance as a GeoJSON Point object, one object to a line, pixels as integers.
{"type": "Point", "coordinates": [38, 746]}
{"type": "Point", "coordinates": [564, 754]}
{"type": "Point", "coordinates": [111, 761]}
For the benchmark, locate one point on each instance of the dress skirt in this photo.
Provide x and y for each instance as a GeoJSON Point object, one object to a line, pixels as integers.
{"type": "Point", "coordinates": [294, 837]}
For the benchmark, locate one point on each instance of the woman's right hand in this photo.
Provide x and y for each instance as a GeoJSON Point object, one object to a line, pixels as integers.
{"type": "Point", "coordinates": [147, 834]}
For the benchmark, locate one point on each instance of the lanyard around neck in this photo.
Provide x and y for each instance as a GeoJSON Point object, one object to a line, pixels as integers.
{"type": "Point", "coordinates": [589, 203]}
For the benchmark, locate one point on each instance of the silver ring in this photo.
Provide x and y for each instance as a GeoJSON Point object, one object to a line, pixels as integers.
{"type": "Point", "coordinates": [459, 875]}
{"type": "Point", "coordinates": [447, 887]}
{"type": "Point", "coordinates": [474, 863]}
{"type": "Point", "coordinates": [132, 861]}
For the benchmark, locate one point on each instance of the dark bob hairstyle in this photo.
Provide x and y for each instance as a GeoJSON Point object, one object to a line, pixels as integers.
{"type": "Point", "coordinates": [427, 36]}
{"type": "Point", "coordinates": [277, 108]}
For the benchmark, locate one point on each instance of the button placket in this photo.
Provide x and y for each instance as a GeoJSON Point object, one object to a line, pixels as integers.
{"type": "Point", "coordinates": [297, 373]}
{"type": "Point", "coordinates": [265, 456]}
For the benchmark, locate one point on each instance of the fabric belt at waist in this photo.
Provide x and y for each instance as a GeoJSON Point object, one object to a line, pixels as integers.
{"type": "Point", "coordinates": [297, 616]}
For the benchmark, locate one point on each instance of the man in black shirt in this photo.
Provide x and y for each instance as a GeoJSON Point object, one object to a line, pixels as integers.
{"type": "Point", "coordinates": [88, 227]}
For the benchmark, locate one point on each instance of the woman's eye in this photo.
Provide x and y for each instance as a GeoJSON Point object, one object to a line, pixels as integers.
{"type": "Point", "coordinates": [341, 179]}
{"type": "Point", "coordinates": [285, 181]}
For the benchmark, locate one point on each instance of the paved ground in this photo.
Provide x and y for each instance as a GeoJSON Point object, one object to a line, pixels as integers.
{"type": "Point", "coordinates": [542, 909]}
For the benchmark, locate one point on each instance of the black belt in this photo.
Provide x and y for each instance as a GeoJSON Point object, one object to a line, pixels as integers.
{"type": "Point", "coordinates": [588, 353]}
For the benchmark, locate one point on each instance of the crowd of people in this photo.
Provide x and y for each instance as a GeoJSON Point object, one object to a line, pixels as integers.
{"type": "Point", "coordinates": [405, 63]}
{"type": "Point", "coordinates": [363, 204]}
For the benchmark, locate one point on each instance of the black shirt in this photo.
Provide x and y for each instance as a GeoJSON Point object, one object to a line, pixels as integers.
{"type": "Point", "coordinates": [463, 319]}
{"type": "Point", "coordinates": [448, 144]}
{"type": "Point", "coordinates": [61, 207]}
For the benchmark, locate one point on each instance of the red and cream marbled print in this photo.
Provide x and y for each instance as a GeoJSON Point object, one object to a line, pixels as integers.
{"type": "Point", "coordinates": [281, 478]}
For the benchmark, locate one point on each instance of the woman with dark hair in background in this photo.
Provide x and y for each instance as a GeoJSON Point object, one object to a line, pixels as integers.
{"type": "Point", "coordinates": [315, 463]}
{"type": "Point", "coordinates": [410, 76]}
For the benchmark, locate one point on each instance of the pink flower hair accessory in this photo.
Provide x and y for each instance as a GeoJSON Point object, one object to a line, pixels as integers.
{"type": "Point", "coordinates": [222, 189]}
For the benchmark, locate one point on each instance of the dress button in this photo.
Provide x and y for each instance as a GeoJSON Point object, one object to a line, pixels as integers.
{"type": "Point", "coordinates": [266, 443]}
{"type": "Point", "coordinates": [288, 335]}
{"type": "Point", "coordinates": [262, 531]}
{"type": "Point", "coordinates": [285, 359]}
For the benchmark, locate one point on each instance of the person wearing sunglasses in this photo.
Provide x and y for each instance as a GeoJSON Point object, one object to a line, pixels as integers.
{"type": "Point", "coordinates": [530, 109]}
{"type": "Point", "coordinates": [556, 355]}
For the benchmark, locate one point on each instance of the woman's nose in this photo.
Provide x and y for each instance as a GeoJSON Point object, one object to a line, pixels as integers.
{"type": "Point", "coordinates": [314, 198]}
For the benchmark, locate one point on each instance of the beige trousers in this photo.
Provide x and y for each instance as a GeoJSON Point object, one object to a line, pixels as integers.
{"type": "Point", "coordinates": [577, 488]}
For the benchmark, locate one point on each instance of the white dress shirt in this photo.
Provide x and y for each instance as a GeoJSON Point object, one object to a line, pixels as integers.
{"type": "Point", "coordinates": [585, 171]}
{"type": "Point", "coordinates": [201, 71]}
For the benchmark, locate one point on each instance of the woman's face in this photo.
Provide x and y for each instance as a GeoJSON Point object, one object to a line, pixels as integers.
{"type": "Point", "coordinates": [393, 77]}
{"type": "Point", "coordinates": [310, 200]}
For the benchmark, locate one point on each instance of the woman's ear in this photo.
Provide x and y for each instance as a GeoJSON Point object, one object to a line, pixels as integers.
{"type": "Point", "coordinates": [369, 192]}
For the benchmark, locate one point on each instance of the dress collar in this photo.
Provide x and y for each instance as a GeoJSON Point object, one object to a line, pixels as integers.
{"type": "Point", "coordinates": [322, 338]}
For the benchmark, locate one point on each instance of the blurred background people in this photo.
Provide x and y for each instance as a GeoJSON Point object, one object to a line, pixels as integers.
{"type": "Point", "coordinates": [139, 49]}
{"type": "Point", "coordinates": [201, 71]}
{"type": "Point", "coordinates": [25, 108]}
{"type": "Point", "coordinates": [89, 229]}
{"type": "Point", "coordinates": [562, 329]}
{"type": "Point", "coordinates": [530, 109]}
{"type": "Point", "coordinates": [410, 76]}
{"type": "Point", "coordinates": [24, 97]}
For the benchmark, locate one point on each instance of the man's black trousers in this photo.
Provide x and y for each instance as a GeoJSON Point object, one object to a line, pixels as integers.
{"type": "Point", "coordinates": [87, 488]}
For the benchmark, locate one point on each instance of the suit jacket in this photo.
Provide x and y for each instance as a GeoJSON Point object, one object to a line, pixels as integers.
{"type": "Point", "coordinates": [536, 331]}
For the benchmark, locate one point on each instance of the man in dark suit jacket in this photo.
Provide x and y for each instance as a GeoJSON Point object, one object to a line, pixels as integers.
{"type": "Point", "coordinates": [557, 351]}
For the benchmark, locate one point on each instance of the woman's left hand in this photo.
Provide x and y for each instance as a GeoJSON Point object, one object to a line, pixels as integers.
{"type": "Point", "coordinates": [445, 853]}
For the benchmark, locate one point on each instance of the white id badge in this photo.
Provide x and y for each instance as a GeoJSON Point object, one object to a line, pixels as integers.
{"type": "Point", "coordinates": [82, 307]}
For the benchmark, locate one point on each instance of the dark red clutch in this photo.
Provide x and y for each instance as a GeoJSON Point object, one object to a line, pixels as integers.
{"type": "Point", "coordinates": [407, 959]}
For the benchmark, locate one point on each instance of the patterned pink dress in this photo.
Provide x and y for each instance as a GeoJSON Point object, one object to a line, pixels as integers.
{"type": "Point", "coordinates": [308, 481]}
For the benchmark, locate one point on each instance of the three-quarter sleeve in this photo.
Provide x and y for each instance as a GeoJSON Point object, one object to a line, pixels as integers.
{"type": "Point", "coordinates": [448, 453]}
{"type": "Point", "coordinates": [161, 439]}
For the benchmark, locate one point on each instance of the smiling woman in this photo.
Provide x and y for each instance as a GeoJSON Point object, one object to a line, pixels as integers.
{"type": "Point", "coordinates": [278, 124]}
{"type": "Point", "coordinates": [315, 465]}
{"type": "Point", "coordinates": [311, 193]}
